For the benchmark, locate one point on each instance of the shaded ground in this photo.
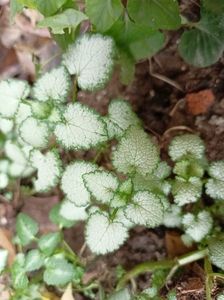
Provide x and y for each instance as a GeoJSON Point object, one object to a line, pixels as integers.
{"type": "Point", "coordinates": [163, 109]}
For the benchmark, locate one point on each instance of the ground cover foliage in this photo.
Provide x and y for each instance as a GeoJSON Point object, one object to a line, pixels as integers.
{"type": "Point", "coordinates": [42, 123]}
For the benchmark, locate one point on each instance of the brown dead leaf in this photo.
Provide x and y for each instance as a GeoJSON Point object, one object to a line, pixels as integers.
{"type": "Point", "coordinates": [68, 293]}
{"type": "Point", "coordinates": [8, 63]}
{"type": "Point", "coordinates": [25, 59]}
{"type": "Point", "coordinates": [174, 245]}
{"type": "Point", "coordinates": [6, 243]}
{"type": "Point", "coordinates": [199, 103]}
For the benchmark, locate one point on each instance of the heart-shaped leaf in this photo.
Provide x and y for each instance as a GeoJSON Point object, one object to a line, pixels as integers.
{"type": "Point", "coordinates": [91, 59]}
{"type": "Point", "coordinates": [69, 18]}
{"type": "Point", "coordinates": [82, 128]}
{"type": "Point", "coordinates": [203, 45]}
{"type": "Point", "coordinates": [158, 14]}
{"type": "Point", "coordinates": [103, 235]}
{"type": "Point", "coordinates": [103, 13]}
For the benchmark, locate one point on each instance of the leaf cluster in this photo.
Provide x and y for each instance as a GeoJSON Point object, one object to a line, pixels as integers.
{"type": "Point", "coordinates": [138, 27]}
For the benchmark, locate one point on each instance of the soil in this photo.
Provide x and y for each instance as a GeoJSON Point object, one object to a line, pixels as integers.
{"type": "Point", "coordinates": [163, 109]}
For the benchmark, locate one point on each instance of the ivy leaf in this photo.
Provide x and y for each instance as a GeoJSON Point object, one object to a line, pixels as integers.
{"type": "Point", "coordinates": [121, 295]}
{"type": "Point", "coordinates": [3, 259]}
{"type": "Point", "coordinates": [135, 153]}
{"type": "Point", "coordinates": [215, 189]}
{"type": "Point", "coordinates": [186, 145]}
{"type": "Point", "coordinates": [158, 14]}
{"type": "Point", "coordinates": [91, 59]}
{"type": "Point", "coordinates": [71, 212]}
{"type": "Point", "coordinates": [26, 229]}
{"type": "Point", "coordinates": [162, 171]}
{"type": "Point", "coordinates": [203, 45]}
{"type": "Point", "coordinates": [19, 277]}
{"type": "Point", "coordinates": [127, 67]}
{"type": "Point", "coordinates": [172, 217]}
{"type": "Point", "coordinates": [120, 117]}
{"type": "Point", "coordinates": [216, 170]}
{"type": "Point", "coordinates": [49, 242]}
{"type": "Point", "coordinates": [4, 181]}
{"type": "Point", "coordinates": [53, 85]}
{"type": "Point", "coordinates": [103, 235]}
{"type": "Point", "coordinates": [40, 110]}
{"type": "Point", "coordinates": [186, 191]}
{"type": "Point", "coordinates": [69, 18]}
{"type": "Point", "coordinates": [34, 132]}
{"type": "Point", "coordinates": [23, 112]}
{"type": "Point", "coordinates": [18, 156]}
{"type": "Point", "coordinates": [28, 3]}
{"type": "Point", "coordinates": [34, 260]}
{"type": "Point", "coordinates": [48, 8]}
{"type": "Point", "coordinates": [6, 125]}
{"type": "Point", "coordinates": [151, 183]}
{"type": "Point", "coordinates": [12, 91]}
{"type": "Point", "coordinates": [135, 41]}
{"type": "Point", "coordinates": [82, 128]}
{"type": "Point", "coordinates": [72, 182]}
{"type": "Point", "coordinates": [214, 185]}
{"type": "Point", "coordinates": [121, 218]}
{"type": "Point", "coordinates": [58, 219]}
{"type": "Point", "coordinates": [48, 167]}
{"type": "Point", "coordinates": [58, 271]}
{"type": "Point", "coordinates": [197, 227]}
{"type": "Point", "coordinates": [216, 6]}
{"type": "Point", "coordinates": [147, 47]}
{"type": "Point", "coordinates": [126, 31]}
{"type": "Point", "coordinates": [14, 152]}
{"type": "Point", "coordinates": [101, 185]}
{"type": "Point", "coordinates": [187, 168]}
{"type": "Point", "coordinates": [216, 255]}
{"type": "Point", "coordinates": [122, 194]}
{"type": "Point", "coordinates": [145, 209]}
{"type": "Point", "coordinates": [103, 13]}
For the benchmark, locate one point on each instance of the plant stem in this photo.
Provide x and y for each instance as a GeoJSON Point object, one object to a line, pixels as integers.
{"type": "Point", "coordinates": [163, 264]}
{"type": "Point", "coordinates": [208, 279]}
{"type": "Point", "coordinates": [99, 152]}
{"type": "Point", "coordinates": [191, 257]}
{"type": "Point", "coordinates": [145, 267]}
{"type": "Point", "coordinates": [71, 254]}
{"type": "Point", "coordinates": [75, 90]}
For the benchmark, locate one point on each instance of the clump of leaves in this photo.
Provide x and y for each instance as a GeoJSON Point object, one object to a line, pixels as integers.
{"type": "Point", "coordinates": [215, 184]}
{"type": "Point", "coordinates": [41, 124]}
{"type": "Point", "coordinates": [137, 27]}
{"type": "Point", "coordinates": [50, 258]}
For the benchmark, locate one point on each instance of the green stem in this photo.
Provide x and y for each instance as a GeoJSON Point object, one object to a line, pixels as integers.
{"type": "Point", "coordinates": [75, 90]}
{"type": "Point", "coordinates": [114, 212]}
{"type": "Point", "coordinates": [163, 264]}
{"type": "Point", "coordinates": [99, 152]}
{"type": "Point", "coordinates": [208, 279]}
{"type": "Point", "coordinates": [145, 267]}
{"type": "Point", "coordinates": [71, 254]}
{"type": "Point", "coordinates": [191, 257]}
